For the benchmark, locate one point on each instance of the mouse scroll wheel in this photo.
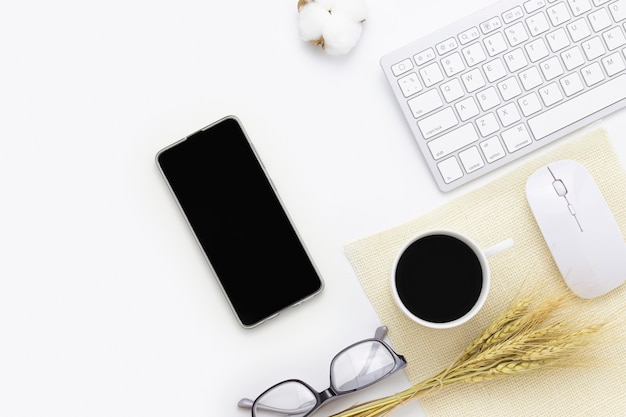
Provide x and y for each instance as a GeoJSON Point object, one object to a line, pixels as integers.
{"type": "Point", "coordinates": [559, 187]}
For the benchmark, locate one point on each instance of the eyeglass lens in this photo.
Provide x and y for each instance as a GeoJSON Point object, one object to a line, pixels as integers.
{"type": "Point", "coordinates": [360, 365]}
{"type": "Point", "coordinates": [291, 398]}
{"type": "Point", "coordinates": [356, 367]}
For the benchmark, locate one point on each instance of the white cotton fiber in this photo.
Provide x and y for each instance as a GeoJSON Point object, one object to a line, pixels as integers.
{"type": "Point", "coordinates": [336, 25]}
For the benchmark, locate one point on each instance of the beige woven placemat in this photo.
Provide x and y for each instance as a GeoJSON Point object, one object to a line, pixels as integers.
{"type": "Point", "coordinates": [490, 214]}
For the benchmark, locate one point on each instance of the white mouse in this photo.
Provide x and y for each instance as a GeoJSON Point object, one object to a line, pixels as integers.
{"type": "Point", "coordinates": [578, 227]}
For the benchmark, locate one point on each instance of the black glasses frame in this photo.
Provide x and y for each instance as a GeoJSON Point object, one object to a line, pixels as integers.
{"type": "Point", "coordinates": [331, 392]}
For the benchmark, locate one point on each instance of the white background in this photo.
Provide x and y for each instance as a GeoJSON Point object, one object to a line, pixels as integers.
{"type": "Point", "coordinates": [107, 307]}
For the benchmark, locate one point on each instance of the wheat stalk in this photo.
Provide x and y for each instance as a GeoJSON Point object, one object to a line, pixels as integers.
{"type": "Point", "coordinates": [530, 335]}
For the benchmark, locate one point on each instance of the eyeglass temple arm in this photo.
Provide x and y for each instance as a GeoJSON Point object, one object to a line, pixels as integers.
{"type": "Point", "coordinates": [247, 403]}
{"type": "Point", "coordinates": [381, 332]}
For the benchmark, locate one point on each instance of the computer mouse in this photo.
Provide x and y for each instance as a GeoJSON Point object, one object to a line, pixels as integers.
{"type": "Point", "coordinates": [578, 227]}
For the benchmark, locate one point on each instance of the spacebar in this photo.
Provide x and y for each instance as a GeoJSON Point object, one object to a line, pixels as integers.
{"type": "Point", "coordinates": [579, 107]}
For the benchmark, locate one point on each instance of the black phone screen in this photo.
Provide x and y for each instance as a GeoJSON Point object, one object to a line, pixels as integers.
{"type": "Point", "coordinates": [239, 221]}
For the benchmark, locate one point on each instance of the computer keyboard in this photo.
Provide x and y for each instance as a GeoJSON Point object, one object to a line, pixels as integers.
{"type": "Point", "coordinates": [507, 80]}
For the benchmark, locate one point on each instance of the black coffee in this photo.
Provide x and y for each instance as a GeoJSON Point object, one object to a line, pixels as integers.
{"type": "Point", "coordinates": [439, 278]}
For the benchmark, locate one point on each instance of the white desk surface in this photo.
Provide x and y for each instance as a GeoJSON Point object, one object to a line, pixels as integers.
{"type": "Point", "coordinates": [107, 307]}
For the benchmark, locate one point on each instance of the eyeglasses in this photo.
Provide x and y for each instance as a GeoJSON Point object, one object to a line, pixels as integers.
{"type": "Point", "coordinates": [356, 367]}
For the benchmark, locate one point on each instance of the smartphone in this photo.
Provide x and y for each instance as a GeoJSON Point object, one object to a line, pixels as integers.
{"type": "Point", "coordinates": [239, 221]}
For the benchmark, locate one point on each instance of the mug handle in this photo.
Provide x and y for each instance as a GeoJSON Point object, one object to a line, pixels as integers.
{"type": "Point", "coordinates": [499, 247]}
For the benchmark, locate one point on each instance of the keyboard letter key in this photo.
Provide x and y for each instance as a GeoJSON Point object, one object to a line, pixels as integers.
{"type": "Point", "coordinates": [618, 10]}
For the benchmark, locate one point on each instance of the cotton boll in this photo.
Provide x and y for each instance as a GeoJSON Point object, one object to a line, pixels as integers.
{"type": "Point", "coordinates": [352, 9]}
{"type": "Point", "coordinates": [336, 25]}
{"type": "Point", "coordinates": [341, 35]}
{"type": "Point", "coordinates": [325, 4]}
{"type": "Point", "coordinates": [312, 20]}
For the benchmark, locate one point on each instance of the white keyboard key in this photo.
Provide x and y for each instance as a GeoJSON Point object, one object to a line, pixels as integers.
{"type": "Point", "coordinates": [529, 104]}
{"type": "Point", "coordinates": [469, 35]}
{"type": "Point", "coordinates": [599, 20]}
{"type": "Point", "coordinates": [467, 108]}
{"type": "Point", "coordinates": [578, 30]}
{"type": "Point", "coordinates": [515, 60]}
{"type": "Point", "coordinates": [402, 67]}
{"type": "Point", "coordinates": [533, 5]}
{"type": "Point", "coordinates": [453, 64]}
{"type": "Point", "coordinates": [474, 54]}
{"type": "Point", "coordinates": [452, 90]}
{"type": "Point", "coordinates": [425, 56]}
{"type": "Point", "coordinates": [537, 50]}
{"type": "Point", "coordinates": [579, 6]}
{"type": "Point", "coordinates": [516, 34]}
{"type": "Point", "coordinates": [437, 123]}
{"type": "Point", "coordinates": [450, 170]}
{"type": "Point", "coordinates": [614, 38]}
{"type": "Point", "coordinates": [495, 44]}
{"type": "Point", "coordinates": [488, 98]}
{"type": "Point", "coordinates": [613, 64]}
{"type": "Point", "coordinates": [618, 10]}
{"type": "Point", "coordinates": [425, 103]}
{"type": "Point", "coordinates": [516, 138]}
{"type": "Point", "coordinates": [558, 14]}
{"type": "Point", "coordinates": [600, 2]}
{"type": "Point", "coordinates": [509, 88]}
{"type": "Point", "coordinates": [431, 74]}
{"type": "Point", "coordinates": [446, 46]}
{"type": "Point", "coordinates": [558, 40]}
{"type": "Point", "coordinates": [538, 24]}
{"type": "Point", "coordinates": [487, 124]}
{"type": "Point", "coordinates": [512, 15]}
{"type": "Point", "coordinates": [471, 159]}
{"type": "Point", "coordinates": [550, 94]}
{"type": "Point", "coordinates": [508, 114]}
{"type": "Point", "coordinates": [551, 68]}
{"type": "Point", "coordinates": [592, 74]}
{"type": "Point", "coordinates": [572, 58]}
{"type": "Point", "coordinates": [578, 107]}
{"type": "Point", "coordinates": [530, 78]}
{"type": "Point", "coordinates": [490, 25]}
{"type": "Point", "coordinates": [494, 70]}
{"type": "Point", "coordinates": [593, 48]}
{"type": "Point", "coordinates": [473, 80]}
{"type": "Point", "coordinates": [452, 141]}
{"type": "Point", "coordinates": [410, 84]}
{"type": "Point", "coordinates": [492, 149]}
{"type": "Point", "coordinates": [571, 84]}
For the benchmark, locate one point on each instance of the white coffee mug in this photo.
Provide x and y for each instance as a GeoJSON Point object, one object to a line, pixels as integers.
{"type": "Point", "coordinates": [440, 278]}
